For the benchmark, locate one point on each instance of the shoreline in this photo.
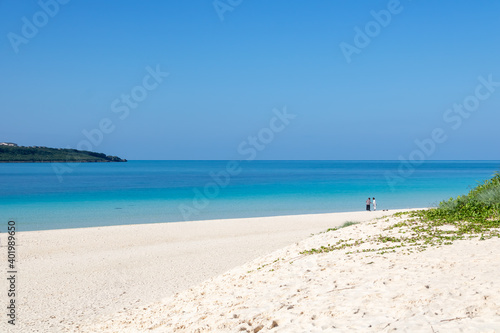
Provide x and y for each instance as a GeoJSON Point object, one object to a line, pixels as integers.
{"type": "Point", "coordinates": [387, 211]}
{"type": "Point", "coordinates": [95, 272]}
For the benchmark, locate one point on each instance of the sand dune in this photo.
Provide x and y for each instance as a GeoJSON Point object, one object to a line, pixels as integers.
{"type": "Point", "coordinates": [453, 288]}
{"type": "Point", "coordinates": [203, 277]}
{"type": "Point", "coordinates": [75, 277]}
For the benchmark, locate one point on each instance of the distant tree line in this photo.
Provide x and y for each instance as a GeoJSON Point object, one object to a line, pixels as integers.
{"type": "Point", "coordinates": [44, 154]}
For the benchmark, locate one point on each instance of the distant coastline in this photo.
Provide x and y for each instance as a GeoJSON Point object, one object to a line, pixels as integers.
{"type": "Point", "coordinates": [61, 161]}
{"type": "Point", "coordinates": [12, 153]}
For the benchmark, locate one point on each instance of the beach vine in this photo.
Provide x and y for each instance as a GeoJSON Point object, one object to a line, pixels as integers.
{"type": "Point", "coordinates": [475, 215]}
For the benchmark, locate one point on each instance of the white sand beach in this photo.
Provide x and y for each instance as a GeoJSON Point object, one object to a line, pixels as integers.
{"type": "Point", "coordinates": [249, 275]}
{"type": "Point", "coordinates": [74, 276]}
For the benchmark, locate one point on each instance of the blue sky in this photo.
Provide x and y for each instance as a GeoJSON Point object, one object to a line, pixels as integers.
{"type": "Point", "coordinates": [225, 78]}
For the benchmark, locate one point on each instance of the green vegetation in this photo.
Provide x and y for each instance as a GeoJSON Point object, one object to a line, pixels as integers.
{"type": "Point", "coordinates": [475, 215]}
{"type": "Point", "coordinates": [478, 211]}
{"type": "Point", "coordinates": [346, 224]}
{"type": "Point", "coordinates": [271, 270]}
{"type": "Point", "coordinates": [44, 154]}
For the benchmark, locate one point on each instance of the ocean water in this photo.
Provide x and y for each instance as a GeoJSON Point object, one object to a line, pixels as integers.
{"type": "Point", "coordinates": [136, 192]}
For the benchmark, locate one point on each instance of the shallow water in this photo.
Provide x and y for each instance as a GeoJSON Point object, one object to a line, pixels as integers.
{"type": "Point", "coordinates": [99, 194]}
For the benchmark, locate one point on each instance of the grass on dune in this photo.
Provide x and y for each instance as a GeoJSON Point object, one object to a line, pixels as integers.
{"type": "Point", "coordinates": [346, 224]}
{"type": "Point", "coordinates": [475, 215]}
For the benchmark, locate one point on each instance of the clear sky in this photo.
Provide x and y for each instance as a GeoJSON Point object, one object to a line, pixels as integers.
{"type": "Point", "coordinates": [364, 79]}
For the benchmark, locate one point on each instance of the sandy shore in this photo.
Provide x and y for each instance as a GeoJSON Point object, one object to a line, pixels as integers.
{"type": "Point", "coordinates": [68, 280]}
{"type": "Point", "coordinates": [451, 288]}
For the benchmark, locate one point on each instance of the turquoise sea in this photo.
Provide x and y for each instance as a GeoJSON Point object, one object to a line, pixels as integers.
{"type": "Point", "coordinates": [39, 196]}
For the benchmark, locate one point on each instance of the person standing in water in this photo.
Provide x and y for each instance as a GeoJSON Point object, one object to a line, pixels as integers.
{"type": "Point", "coordinates": [374, 204]}
{"type": "Point", "coordinates": [368, 202]}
